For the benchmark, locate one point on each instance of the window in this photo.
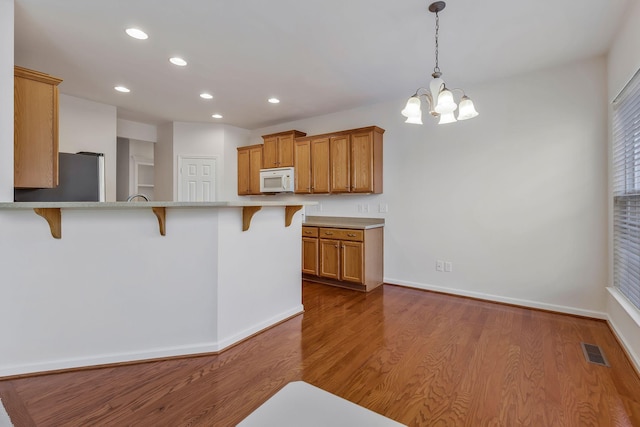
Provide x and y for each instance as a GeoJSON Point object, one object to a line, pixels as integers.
{"type": "Point", "coordinates": [626, 191]}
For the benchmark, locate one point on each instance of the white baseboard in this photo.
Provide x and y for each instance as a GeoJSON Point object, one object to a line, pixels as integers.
{"type": "Point", "coordinates": [157, 353]}
{"type": "Point", "coordinates": [229, 341]}
{"type": "Point", "coordinates": [497, 298]}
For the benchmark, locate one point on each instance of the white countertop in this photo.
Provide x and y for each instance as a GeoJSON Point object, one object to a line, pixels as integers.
{"type": "Point", "coordinates": [343, 222]}
{"type": "Point", "coordinates": [139, 205]}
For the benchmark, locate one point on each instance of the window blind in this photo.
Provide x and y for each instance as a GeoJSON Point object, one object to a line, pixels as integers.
{"type": "Point", "coordinates": [626, 191]}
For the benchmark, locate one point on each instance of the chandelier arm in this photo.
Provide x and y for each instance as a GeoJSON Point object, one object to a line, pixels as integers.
{"type": "Point", "coordinates": [459, 89]}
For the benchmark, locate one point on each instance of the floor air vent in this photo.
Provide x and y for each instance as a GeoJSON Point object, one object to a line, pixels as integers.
{"type": "Point", "coordinates": [594, 354]}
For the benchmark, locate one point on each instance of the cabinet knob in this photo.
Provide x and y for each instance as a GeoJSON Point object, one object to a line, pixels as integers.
{"type": "Point", "coordinates": [336, 246]}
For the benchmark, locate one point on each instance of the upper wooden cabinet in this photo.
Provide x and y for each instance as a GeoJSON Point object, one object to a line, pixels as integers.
{"type": "Point", "coordinates": [355, 160]}
{"type": "Point", "coordinates": [340, 163]}
{"type": "Point", "coordinates": [278, 149]}
{"type": "Point", "coordinates": [366, 161]}
{"type": "Point", "coordinates": [249, 165]}
{"type": "Point", "coordinates": [311, 160]}
{"type": "Point", "coordinates": [35, 129]}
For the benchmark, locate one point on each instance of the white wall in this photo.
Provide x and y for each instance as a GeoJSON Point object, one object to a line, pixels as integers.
{"type": "Point", "coordinates": [90, 126]}
{"type": "Point", "coordinates": [233, 138]}
{"type": "Point", "coordinates": [113, 289]}
{"type": "Point", "coordinates": [6, 102]}
{"type": "Point", "coordinates": [122, 169]}
{"type": "Point", "coordinates": [136, 130]}
{"type": "Point", "coordinates": [164, 163]}
{"type": "Point", "coordinates": [198, 139]}
{"type": "Point", "coordinates": [515, 198]}
{"type": "Point", "coordinates": [623, 62]}
{"type": "Point", "coordinates": [180, 139]}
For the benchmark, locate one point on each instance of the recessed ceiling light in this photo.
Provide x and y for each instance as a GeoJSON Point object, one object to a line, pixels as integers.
{"type": "Point", "coordinates": [206, 96]}
{"type": "Point", "coordinates": [137, 34]}
{"type": "Point", "coordinates": [217, 116]}
{"type": "Point", "coordinates": [274, 100]}
{"type": "Point", "coordinates": [178, 61]}
{"type": "Point", "coordinates": [122, 89]}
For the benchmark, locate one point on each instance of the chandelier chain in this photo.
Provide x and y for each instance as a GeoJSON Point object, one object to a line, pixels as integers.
{"type": "Point", "coordinates": [436, 69]}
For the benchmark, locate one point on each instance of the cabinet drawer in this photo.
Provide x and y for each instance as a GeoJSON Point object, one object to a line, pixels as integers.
{"type": "Point", "coordinates": [342, 234]}
{"type": "Point", "coordinates": [309, 231]}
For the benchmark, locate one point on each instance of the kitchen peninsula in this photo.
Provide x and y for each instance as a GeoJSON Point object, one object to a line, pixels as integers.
{"type": "Point", "coordinates": [136, 281]}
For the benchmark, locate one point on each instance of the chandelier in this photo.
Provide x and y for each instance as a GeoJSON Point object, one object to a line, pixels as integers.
{"type": "Point", "coordinates": [440, 98]}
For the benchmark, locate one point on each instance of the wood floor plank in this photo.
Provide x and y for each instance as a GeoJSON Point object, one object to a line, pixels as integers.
{"type": "Point", "coordinates": [418, 357]}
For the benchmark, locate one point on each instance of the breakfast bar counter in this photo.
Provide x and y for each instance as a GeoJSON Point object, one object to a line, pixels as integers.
{"type": "Point", "coordinates": [135, 281]}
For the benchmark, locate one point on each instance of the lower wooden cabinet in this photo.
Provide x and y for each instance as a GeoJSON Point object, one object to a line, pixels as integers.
{"type": "Point", "coordinates": [310, 250]}
{"type": "Point", "coordinates": [351, 258]}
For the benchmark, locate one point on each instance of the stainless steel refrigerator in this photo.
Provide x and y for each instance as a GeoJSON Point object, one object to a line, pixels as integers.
{"type": "Point", "coordinates": [81, 179]}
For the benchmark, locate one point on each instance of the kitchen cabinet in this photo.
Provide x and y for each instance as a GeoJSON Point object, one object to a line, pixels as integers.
{"type": "Point", "coordinates": [35, 129]}
{"type": "Point", "coordinates": [366, 161]}
{"type": "Point", "coordinates": [340, 164]}
{"type": "Point", "coordinates": [310, 250]}
{"type": "Point", "coordinates": [346, 257]}
{"type": "Point", "coordinates": [249, 165]}
{"type": "Point", "coordinates": [278, 149]}
{"type": "Point", "coordinates": [356, 161]}
{"type": "Point", "coordinates": [348, 161]}
{"type": "Point", "coordinates": [311, 160]}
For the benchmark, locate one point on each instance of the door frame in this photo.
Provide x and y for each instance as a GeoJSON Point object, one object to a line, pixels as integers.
{"type": "Point", "coordinates": [182, 157]}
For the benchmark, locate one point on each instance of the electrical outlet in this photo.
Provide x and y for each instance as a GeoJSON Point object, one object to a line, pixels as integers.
{"type": "Point", "coordinates": [383, 208]}
{"type": "Point", "coordinates": [365, 208]}
{"type": "Point", "coordinates": [360, 208]}
{"type": "Point", "coordinates": [448, 266]}
{"type": "Point", "coordinates": [439, 265]}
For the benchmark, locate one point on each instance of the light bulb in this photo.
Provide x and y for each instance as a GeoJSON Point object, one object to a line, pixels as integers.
{"type": "Point", "coordinates": [445, 103]}
{"type": "Point", "coordinates": [412, 108]}
{"type": "Point", "coordinates": [467, 110]}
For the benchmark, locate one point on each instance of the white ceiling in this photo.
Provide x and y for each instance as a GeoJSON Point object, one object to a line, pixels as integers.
{"type": "Point", "coordinates": [316, 56]}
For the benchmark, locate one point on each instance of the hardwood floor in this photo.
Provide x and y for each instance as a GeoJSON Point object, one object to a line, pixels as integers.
{"type": "Point", "coordinates": [417, 357]}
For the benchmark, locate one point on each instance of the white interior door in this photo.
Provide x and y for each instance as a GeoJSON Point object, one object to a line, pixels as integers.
{"type": "Point", "coordinates": [197, 179]}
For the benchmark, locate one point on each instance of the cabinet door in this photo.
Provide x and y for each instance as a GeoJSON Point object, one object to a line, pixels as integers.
{"type": "Point", "coordinates": [362, 162]}
{"type": "Point", "coordinates": [270, 153]}
{"type": "Point", "coordinates": [255, 164]}
{"type": "Point", "coordinates": [243, 171]}
{"type": "Point", "coordinates": [330, 259]}
{"type": "Point", "coordinates": [310, 255]}
{"type": "Point", "coordinates": [320, 165]}
{"type": "Point", "coordinates": [285, 151]}
{"type": "Point", "coordinates": [302, 164]}
{"type": "Point", "coordinates": [352, 262]}
{"type": "Point", "coordinates": [340, 164]}
{"type": "Point", "coordinates": [35, 129]}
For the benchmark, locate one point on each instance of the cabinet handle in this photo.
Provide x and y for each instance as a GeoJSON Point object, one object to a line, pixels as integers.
{"type": "Point", "coordinates": [336, 246]}
{"type": "Point", "coordinates": [308, 232]}
{"type": "Point", "coordinates": [328, 233]}
{"type": "Point", "coordinates": [351, 234]}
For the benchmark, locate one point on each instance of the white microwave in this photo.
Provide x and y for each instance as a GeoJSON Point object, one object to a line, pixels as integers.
{"type": "Point", "coordinates": [278, 180]}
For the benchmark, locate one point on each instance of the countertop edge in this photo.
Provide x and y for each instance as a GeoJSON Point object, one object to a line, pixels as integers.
{"type": "Point", "coordinates": [344, 222]}
{"type": "Point", "coordinates": [143, 205]}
